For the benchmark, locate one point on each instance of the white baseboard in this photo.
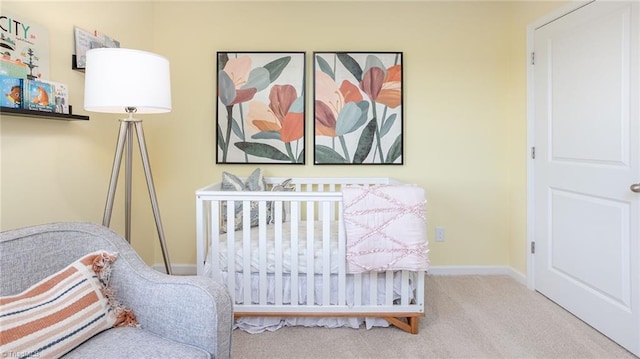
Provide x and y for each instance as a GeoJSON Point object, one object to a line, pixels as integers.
{"type": "Point", "coordinates": [190, 269]}
{"type": "Point", "coordinates": [479, 270]}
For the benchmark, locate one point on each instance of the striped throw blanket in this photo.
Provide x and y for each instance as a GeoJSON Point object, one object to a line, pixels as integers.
{"type": "Point", "coordinates": [386, 228]}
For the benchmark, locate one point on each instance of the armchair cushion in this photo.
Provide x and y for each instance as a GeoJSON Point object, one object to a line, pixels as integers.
{"type": "Point", "coordinates": [63, 310]}
{"type": "Point", "coordinates": [130, 343]}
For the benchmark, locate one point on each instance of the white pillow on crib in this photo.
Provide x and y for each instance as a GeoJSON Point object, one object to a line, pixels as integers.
{"type": "Point", "coordinates": [231, 182]}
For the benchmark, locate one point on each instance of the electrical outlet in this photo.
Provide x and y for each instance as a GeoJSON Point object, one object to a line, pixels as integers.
{"type": "Point", "coordinates": [439, 234]}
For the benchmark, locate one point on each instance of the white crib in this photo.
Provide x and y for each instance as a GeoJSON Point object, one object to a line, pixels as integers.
{"type": "Point", "coordinates": [301, 252]}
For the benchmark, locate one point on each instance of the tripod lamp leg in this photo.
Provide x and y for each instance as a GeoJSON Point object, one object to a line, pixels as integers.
{"type": "Point", "coordinates": [152, 194]}
{"type": "Point", "coordinates": [117, 160]}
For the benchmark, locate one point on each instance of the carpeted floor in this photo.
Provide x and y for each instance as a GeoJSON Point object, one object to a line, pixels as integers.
{"type": "Point", "coordinates": [466, 317]}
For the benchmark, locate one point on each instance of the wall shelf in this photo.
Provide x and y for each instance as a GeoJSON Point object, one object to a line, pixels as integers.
{"type": "Point", "coordinates": [41, 114]}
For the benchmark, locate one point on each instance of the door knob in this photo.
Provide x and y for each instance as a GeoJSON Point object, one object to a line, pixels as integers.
{"type": "Point", "coordinates": [635, 187]}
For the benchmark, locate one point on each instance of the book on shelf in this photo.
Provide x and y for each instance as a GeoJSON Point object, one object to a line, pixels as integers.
{"type": "Point", "coordinates": [23, 53]}
{"type": "Point", "coordinates": [60, 97]}
{"type": "Point", "coordinates": [11, 91]}
{"type": "Point", "coordinates": [38, 96]}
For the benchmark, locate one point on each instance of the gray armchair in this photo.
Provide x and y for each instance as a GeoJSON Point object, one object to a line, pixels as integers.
{"type": "Point", "coordinates": [179, 316]}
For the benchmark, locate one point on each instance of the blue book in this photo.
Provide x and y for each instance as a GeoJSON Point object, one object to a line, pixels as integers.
{"type": "Point", "coordinates": [38, 96]}
{"type": "Point", "coordinates": [11, 91]}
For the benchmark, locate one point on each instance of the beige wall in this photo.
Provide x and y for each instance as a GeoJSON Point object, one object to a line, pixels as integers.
{"type": "Point", "coordinates": [59, 170]}
{"type": "Point", "coordinates": [464, 98]}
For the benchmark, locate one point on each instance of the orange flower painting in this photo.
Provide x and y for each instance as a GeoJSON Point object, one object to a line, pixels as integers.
{"type": "Point", "coordinates": [358, 108]}
{"type": "Point", "coordinates": [260, 107]}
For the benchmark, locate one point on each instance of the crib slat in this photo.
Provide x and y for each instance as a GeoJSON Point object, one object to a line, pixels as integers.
{"type": "Point", "coordinates": [388, 299]}
{"type": "Point", "coordinates": [420, 289]}
{"type": "Point", "coordinates": [357, 289]}
{"type": "Point", "coordinates": [342, 268]}
{"type": "Point", "coordinates": [310, 254]}
{"type": "Point", "coordinates": [246, 256]}
{"type": "Point", "coordinates": [333, 188]}
{"type": "Point", "coordinates": [295, 213]}
{"type": "Point", "coordinates": [262, 249]}
{"type": "Point", "coordinates": [277, 207]}
{"type": "Point", "coordinates": [201, 233]}
{"type": "Point", "coordinates": [231, 253]}
{"type": "Point", "coordinates": [404, 288]}
{"type": "Point", "coordinates": [326, 253]}
{"type": "Point", "coordinates": [318, 187]}
{"type": "Point", "coordinates": [373, 288]}
{"type": "Point", "coordinates": [213, 245]}
{"type": "Point", "coordinates": [230, 214]}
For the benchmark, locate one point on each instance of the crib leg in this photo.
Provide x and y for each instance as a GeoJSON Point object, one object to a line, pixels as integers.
{"type": "Point", "coordinates": [413, 322]}
{"type": "Point", "coordinates": [411, 326]}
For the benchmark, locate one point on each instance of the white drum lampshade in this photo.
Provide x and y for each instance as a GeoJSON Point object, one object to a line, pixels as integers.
{"type": "Point", "coordinates": [118, 78]}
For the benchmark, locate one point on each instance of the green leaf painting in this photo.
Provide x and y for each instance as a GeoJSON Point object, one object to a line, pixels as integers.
{"type": "Point", "coordinates": [350, 64]}
{"type": "Point", "coordinates": [260, 107]}
{"type": "Point", "coordinates": [358, 114]}
{"type": "Point", "coordinates": [324, 66]}
{"type": "Point", "coordinates": [276, 67]}
{"type": "Point", "coordinates": [328, 155]}
{"type": "Point", "coordinates": [262, 150]}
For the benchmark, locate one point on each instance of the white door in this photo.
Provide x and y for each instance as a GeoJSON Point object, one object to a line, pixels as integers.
{"type": "Point", "coordinates": [587, 157]}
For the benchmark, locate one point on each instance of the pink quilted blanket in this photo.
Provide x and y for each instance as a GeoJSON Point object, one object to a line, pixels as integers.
{"type": "Point", "coordinates": [386, 228]}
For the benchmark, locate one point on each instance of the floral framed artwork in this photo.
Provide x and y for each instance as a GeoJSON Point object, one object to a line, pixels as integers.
{"type": "Point", "coordinates": [260, 107]}
{"type": "Point", "coordinates": [358, 108]}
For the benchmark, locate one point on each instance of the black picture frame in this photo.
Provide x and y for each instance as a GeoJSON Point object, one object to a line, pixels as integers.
{"type": "Point", "coordinates": [261, 107]}
{"type": "Point", "coordinates": [358, 108]}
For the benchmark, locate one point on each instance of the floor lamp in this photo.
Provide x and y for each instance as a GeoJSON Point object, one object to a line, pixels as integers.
{"type": "Point", "coordinates": [129, 82]}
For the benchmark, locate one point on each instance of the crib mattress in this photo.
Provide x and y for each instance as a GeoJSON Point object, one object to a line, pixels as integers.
{"type": "Point", "coordinates": [286, 253]}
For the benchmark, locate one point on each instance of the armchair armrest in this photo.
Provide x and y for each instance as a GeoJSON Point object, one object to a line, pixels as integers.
{"type": "Point", "coordinates": [191, 310]}
{"type": "Point", "coordinates": [187, 309]}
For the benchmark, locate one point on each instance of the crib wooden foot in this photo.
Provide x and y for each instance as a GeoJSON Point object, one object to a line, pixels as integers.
{"type": "Point", "coordinates": [410, 326]}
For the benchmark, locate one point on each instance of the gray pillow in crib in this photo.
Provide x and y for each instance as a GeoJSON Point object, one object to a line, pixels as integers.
{"type": "Point", "coordinates": [286, 187]}
{"type": "Point", "coordinates": [231, 182]}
